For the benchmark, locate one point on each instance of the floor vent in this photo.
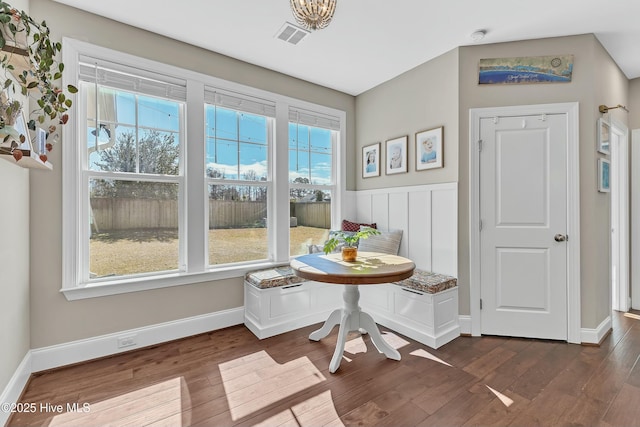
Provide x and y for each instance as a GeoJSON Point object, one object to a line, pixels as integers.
{"type": "Point", "coordinates": [291, 34]}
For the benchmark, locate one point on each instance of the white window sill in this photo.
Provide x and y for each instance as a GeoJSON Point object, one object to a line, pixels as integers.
{"type": "Point", "coordinates": [123, 286]}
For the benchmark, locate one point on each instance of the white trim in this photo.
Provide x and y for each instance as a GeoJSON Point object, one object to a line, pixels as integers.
{"type": "Point", "coordinates": [635, 218]}
{"type": "Point", "coordinates": [573, 208]}
{"type": "Point", "coordinates": [595, 336]}
{"type": "Point", "coordinates": [16, 385]}
{"type": "Point", "coordinates": [144, 283]}
{"type": "Point", "coordinates": [106, 345]}
{"type": "Point", "coordinates": [620, 167]}
{"type": "Point", "coordinates": [465, 324]}
{"type": "Point", "coordinates": [410, 188]}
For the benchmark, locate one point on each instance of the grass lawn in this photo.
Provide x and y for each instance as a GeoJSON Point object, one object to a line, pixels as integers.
{"type": "Point", "coordinates": [141, 251]}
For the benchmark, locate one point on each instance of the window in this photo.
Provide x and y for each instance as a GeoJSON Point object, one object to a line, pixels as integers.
{"type": "Point", "coordinates": [132, 169]}
{"type": "Point", "coordinates": [312, 142]}
{"type": "Point", "coordinates": [238, 140]}
{"type": "Point", "coordinates": [173, 177]}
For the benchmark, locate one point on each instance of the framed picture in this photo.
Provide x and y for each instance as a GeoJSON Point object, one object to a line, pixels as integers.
{"type": "Point", "coordinates": [429, 149]}
{"type": "Point", "coordinates": [397, 155]}
{"type": "Point", "coordinates": [604, 136]}
{"type": "Point", "coordinates": [604, 167]}
{"type": "Point", "coordinates": [371, 160]}
{"type": "Point", "coordinates": [41, 139]}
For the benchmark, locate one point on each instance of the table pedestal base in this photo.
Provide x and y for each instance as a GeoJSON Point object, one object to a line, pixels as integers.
{"type": "Point", "coordinates": [351, 318]}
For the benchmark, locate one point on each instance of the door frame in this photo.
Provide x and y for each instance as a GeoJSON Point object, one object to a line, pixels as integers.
{"type": "Point", "coordinates": [620, 298]}
{"type": "Point", "coordinates": [573, 207]}
{"type": "Point", "coordinates": [635, 219]}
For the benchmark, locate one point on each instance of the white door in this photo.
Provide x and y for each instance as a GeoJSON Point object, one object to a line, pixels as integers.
{"type": "Point", "coordinates": [523, 212]}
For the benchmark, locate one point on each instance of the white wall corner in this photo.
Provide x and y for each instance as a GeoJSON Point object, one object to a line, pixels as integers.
{"type": "Point", "coordinates": [595, 336]}
{"type": "Point", "coordinates": [106, 345]}
{"type": "Point", "coordinates": [16, 385]}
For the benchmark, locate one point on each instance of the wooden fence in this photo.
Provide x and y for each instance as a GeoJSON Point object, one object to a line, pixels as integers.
{"type": "Point", "coordinates": [312, 214]}
{"type": "Point", "coordinates": [110, 214]}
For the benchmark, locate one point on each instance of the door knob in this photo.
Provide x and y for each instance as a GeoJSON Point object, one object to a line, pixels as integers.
{"type": "Point", "coordinates": [560, 237]}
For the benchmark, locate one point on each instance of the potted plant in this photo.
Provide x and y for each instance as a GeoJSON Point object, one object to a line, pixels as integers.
{"type": "Point", "coordinates": [350, 241]}
{"type": "Point", "coordinates": [29, 59]}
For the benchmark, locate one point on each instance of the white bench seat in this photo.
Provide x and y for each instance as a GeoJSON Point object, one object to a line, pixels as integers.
{"type": "Point", "coordinates": [278, 301]}
{"type": "Point", "coordinates": [423, 307]}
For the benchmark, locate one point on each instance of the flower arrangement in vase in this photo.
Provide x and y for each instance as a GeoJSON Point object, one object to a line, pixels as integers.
{"type": "Point", "coordinates": [350, 242]}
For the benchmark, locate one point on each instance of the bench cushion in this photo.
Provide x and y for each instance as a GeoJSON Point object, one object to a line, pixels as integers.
{"type": "Point", "coordinates": [428, 282]}
{"type": "Point", "coordinates": [272, 277]}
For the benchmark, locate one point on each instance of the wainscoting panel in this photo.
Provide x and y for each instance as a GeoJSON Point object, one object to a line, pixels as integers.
{"type": "Point", "coordinates": [380, 210]}
{"type": "Point", "coordinates": [428, 216]}
{"type": "Point", "coordinates": [419, 230]}
{"type": "Point", "coordinates": [444, 231]}
{"type": "Point", "coordinates": [399, 218]}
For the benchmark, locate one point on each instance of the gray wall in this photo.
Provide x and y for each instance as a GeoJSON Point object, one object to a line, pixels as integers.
{"type": "Point", "coordinates": [422, 98]}
{"type": "Point", "coordinates": [14, 269]}
{"type": "Point", "coordinates": [55, 320]}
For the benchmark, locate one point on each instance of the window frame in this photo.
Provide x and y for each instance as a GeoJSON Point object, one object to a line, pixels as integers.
{"type": "Point", "coordinates": [194, 197]}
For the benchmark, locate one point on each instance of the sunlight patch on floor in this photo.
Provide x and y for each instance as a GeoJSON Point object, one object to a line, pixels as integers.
{"type": "Point", "coordinates": [316, 411]}
{"type": "Point", "coordinates": [504, 399]}
{"type": "Point", "coordinates": [256, 381]}
{"type": "Point", "coordinates": [426, 355]}
{"type": "Point", "coordinates": [145, 406]}
{"type": "Point", "coordinates": [394, 340]}
{"type": "Point", "coordinates": [355, 346]}
{"type": "Point", "coordinates": [632, 316]}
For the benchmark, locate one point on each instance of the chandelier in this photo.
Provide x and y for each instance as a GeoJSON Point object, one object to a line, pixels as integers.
{"type": "Point", "coordinates": [313, 14]}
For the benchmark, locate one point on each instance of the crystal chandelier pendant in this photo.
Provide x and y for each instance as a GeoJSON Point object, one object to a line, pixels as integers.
{"type": "Point", "coordinates": [313, 14]}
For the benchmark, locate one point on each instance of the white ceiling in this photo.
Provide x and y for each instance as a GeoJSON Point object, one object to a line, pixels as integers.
{"type": "Point", "coordinates": [371, 41]}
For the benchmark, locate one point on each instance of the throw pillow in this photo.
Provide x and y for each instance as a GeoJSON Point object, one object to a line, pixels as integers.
{"type": "Point", "coordinates": [355, 226]}
{"type": "Point", "coordinates": [386, 242]}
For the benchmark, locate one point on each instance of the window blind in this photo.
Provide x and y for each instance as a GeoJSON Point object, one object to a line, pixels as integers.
{"type": "Point", "coordinates": [240, 102]}
{"type": "Point", "coordinates": [127, 78]}
{"type": "Point", "coordinates": [311, 118]}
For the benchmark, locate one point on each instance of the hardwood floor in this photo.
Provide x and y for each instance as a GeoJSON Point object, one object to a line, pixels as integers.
{"type": "Point", "coordinates": [229, 377]}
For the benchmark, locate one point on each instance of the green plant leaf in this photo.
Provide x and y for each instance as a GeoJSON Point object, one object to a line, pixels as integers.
{"type": "Point", "coordinates": [72, 89]}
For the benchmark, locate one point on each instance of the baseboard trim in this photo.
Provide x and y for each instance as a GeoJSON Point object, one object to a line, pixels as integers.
{"type": "Point", "coordinates": [69, 353]}
{"type": "Point", "coordinates": [595, 336]}
{"type": "Point", "coordinates": [17, 383]}
{"type": "Point", "coordinates": [465, 325]}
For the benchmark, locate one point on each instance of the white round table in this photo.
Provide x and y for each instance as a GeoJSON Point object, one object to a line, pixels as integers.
{"type": "Point", "coordinates": [368, 268]}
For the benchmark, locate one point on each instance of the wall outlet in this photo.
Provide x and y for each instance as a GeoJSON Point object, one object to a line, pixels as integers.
{"type": "Point", "coordinates": [127, 341]}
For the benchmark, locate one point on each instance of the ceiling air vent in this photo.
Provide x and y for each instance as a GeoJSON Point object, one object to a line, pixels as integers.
{"type": "Point", "coordinates": [291, 34]}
